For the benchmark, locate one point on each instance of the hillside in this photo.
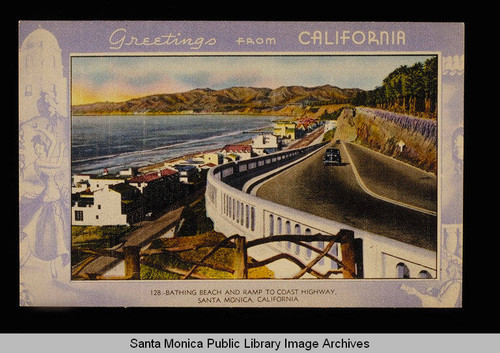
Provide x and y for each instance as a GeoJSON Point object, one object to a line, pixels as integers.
{"type": "Point", "coordinates": [234, 99]}
{"type": "Point", "coordinates": [408, 138]}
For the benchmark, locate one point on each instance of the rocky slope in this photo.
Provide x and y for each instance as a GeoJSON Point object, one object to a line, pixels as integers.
{"type": "Point", "coordinates": [410, 139]}
{"type": "Point", "coordinates": [234, 99]}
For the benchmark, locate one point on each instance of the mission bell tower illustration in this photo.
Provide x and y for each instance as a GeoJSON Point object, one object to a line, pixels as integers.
{"type": "Point", "coordinates": [41, 75]}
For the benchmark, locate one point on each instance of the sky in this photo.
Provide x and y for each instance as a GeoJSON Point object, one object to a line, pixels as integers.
{"type": "Point", "coordinates": [119, 78]}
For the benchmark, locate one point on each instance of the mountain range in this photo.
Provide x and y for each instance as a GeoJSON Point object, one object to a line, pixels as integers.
{"type": "Point", "coordinates": [234, 99]}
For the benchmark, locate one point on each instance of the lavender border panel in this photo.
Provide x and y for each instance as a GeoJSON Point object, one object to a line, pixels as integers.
{"type": "Point", "coordinates": [41, 286]}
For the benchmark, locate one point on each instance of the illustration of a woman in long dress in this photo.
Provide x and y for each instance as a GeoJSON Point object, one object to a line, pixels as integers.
{"type": "Point", "coordinates": [43, 235]}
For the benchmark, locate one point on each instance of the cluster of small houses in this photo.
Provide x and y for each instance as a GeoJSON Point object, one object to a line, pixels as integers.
{"type": "Point", "coordinates": [129, 196]}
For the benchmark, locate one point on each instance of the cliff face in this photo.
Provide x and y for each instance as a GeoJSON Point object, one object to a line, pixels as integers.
{"type": "Point", "coordinates": [404, 137]}
{"type": "Point", "coordinates": [234, 99]}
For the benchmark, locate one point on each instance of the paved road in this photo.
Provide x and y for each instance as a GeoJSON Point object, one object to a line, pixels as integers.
{"type": "Point", "coordinates": [393, 179]}
{"type": "Point", "coordinates": [333, 192]}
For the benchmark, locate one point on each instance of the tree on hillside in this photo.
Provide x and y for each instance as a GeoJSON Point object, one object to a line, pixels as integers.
{"type": "Point", "coordinates": [409, 90]}
{"type": "Point", "coordinates": [431, 84]}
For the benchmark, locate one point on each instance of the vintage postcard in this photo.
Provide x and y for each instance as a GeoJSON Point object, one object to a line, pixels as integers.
{"type": "Point", "coordinates": [241, 164]}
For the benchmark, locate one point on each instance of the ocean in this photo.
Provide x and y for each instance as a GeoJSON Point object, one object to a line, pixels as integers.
{"type": "Point", "coordinates": [123, 141]}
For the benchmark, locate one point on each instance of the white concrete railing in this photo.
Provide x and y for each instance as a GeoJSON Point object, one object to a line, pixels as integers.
{"type": "Point", "coordinates": [236, 212]}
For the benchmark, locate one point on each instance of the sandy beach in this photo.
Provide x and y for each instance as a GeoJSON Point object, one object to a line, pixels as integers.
{"type": "Point", "coordinates": [302, 142]}
{"type": "Point", "coordinates": [160, 165]}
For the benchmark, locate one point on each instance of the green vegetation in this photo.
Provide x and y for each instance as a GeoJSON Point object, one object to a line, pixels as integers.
{"type": "Point", "coordinates": [410, 139]}
{"type": "Point", "coordinates": [148, 272]}
{"type": "Point", "coordinates": [207, 239]}
{"type": "Point", "coordinates": [313, 104]}
{"type": "Point", "coordinates": [181, 253]}
{"type": "Point", "coordinates": [194, 238]}
{"type": "Point", "coordinates": [331, 116]}
{"type": "Point", "coordinates": [404, 125]}
{"type": "Point", "coordinates": [329, 135]}
{"type": "Point", "coordinates": [95, 237]}
{"type": "Point", "coordinates": [411, 90]}
{"type": "Point", "coordinates": [194, 220]}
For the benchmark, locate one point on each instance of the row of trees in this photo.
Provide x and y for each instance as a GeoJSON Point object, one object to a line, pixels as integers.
{"type": "Point", "coordinates": [411, 90]}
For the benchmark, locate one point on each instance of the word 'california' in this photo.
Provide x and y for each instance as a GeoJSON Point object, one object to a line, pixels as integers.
{"type": "Point", "coordinates": [352, 37]}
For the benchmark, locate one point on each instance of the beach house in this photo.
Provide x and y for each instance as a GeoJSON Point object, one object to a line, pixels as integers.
{"type": "Point", "coordinates": [236, 152]}
{"type": "Point", "coordinates": [285, 129]}
{"type": "Point", "coordinates": [123, 198]}
{"type": "Point", "coordinates": [187, 173]}
{"type": "Point", "coordinates": [265, 144]}
{"type": "Point", "coordinates": [112, 204]}
{"type": "Point", "coordinates": [214, 158]}
{"type": "Point", "coordinates": [160, 189]}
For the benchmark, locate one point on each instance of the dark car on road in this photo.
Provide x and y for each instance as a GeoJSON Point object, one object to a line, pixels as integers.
{"type": "Point", "coordinates": [332, 156]}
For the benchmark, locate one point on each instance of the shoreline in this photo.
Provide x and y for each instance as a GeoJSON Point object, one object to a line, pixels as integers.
{"type": "Point", "coordinates": [182, 155]}
{"type": "Point", "coordinates": [304, 141]}
{"type": "Point", "coordinates": [154, 167]}
{"type": "Point", "coordinates": [147, 168]}
{"type": "Point", "coordinates": [157, 166]}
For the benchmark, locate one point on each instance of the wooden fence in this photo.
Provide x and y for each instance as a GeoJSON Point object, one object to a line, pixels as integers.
{"type": "Point", "coordinates": [350, 266]}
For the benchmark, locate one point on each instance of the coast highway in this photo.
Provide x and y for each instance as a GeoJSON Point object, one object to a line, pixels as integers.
{"type": "Point", "coordinates": [368, 191]}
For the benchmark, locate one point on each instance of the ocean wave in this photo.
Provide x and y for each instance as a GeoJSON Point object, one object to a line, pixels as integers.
{"type": "Point", "coordinates": [211, 138]}
{"type": "Point", "coordinates": [146, 152]}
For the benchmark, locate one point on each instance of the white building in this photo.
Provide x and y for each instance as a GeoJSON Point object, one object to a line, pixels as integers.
{"type": "Point", "coordinates": [214, 158]}
{"type": "Point", "coordinates": [265, 144]}
{"type": "Point", "coordinates": [104, 200]}
{"type": "Point", "coordinates": [240, 152]}
{"type": "Point", "coordinates": [187, 172]}
{"type": "Point", "coordinates": [116, 204]}
{"type": "Point", "coordinates": [82, 182]}
{"type": "Point", "coordinates": [97, 183]}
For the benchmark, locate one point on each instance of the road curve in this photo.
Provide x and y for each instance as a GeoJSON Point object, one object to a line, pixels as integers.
{"type": "Point", "coordinates": [333, 192]}
{"type": "Point", "coordinates": [393, 180]}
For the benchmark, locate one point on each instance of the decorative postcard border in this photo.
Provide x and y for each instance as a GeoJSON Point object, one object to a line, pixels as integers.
{"type": "Point", "coordinates": [45, 202]}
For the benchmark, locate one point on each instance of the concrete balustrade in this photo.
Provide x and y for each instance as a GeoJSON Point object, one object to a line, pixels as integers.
{"type": "Point", "coordinates": [236, 212]}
